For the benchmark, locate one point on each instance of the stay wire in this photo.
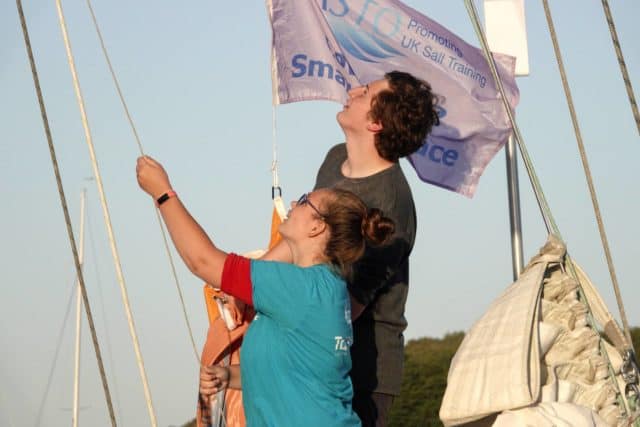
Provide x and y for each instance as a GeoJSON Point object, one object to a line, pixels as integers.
{"type": "Point", "coordinates": [547, 216]}
{"type": "Point", "coordinates": [587, 170]}
{"type": "Point", "coordinates": [139, 143]}
{"type": "Point", "coordinates": [107, 217]}
{"type": "Point", "coordinates": [622, 63]}
{"type": "Point", "coordinates": [63, 202]}
{"type": "Point", "coordinates": [534, 181]}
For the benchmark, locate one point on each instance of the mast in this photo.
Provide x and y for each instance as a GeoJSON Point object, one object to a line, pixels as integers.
{"type": "Point", "coordinates": [506, 33]}
{"type": "Point", "coordinates": [76, 371]}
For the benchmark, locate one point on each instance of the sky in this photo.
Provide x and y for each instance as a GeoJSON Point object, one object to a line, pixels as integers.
{"type": "Point", "coordinates": [197, 82]}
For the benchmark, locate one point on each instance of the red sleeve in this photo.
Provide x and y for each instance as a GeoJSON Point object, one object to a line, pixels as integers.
{"type": "Point", "coordinates": [236, 278]}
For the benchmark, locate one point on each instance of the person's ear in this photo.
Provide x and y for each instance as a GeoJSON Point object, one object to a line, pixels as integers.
{"type": "Point", "coordinates": [374, 127]}
{"type": "Point", "coordinates": [318, 228]}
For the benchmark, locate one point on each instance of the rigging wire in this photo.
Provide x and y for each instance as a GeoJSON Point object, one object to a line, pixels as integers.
{"type": "Point", "coordinates": [587, 171]}
{"type": "Point", "coordinates": [536, 186]}
{"type": "Point", "coordinates": [63, 202]}
{"type": "Point", "coordinates": [139, 143]}
{"type": "Point", "coordinates": [547, 216]}
{"type": "Point", "coordinates": [621, 62]}
{"type": "Point", "coordinates": [107, 218]}
{"type": "Point", "coordinates": [47, 387]}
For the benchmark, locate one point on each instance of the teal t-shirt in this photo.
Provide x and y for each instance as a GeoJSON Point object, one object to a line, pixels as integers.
{"type": "Point", "coordinates": [295, 358]}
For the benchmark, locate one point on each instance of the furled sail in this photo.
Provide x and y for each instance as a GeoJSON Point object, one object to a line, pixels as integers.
{"type": "Point", "coordinates": [536, 356]}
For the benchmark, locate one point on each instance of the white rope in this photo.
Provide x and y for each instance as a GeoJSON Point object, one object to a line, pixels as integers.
{"type": "Point", "coordinates": [107, 218]}
{"type": "Point", "coordinates": [274, 164]}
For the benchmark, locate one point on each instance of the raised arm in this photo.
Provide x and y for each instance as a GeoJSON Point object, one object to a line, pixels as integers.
{"type": "Point", "coordinates": [197, 251]}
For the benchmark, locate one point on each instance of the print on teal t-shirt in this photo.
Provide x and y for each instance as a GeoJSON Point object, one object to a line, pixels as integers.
{"type": "Point", "coordinates": [295, 359]}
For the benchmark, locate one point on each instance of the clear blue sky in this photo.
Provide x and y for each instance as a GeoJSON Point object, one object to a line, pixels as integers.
{"type": "Point", "coordinates": [197, 81]}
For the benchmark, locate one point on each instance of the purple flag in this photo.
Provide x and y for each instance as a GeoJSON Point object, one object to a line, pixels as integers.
{"type": "Point", "coordinates": [323, 48]}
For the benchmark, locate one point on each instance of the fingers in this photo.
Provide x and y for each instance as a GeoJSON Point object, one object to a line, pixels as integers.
{"type": "Point", "coordinates": [148, 160]}
{"type": "Point", "coordinates": [213, 379]}
{"type": "Point", "coordinates": [209, 388]}
{"type": "Point", "coordinates": [145, 161]}
{"type": "Point", "coordinates": [151, 176]}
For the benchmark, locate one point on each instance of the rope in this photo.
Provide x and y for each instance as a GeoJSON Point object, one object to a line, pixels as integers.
{"type": "Point", "coordinates": [65, 210]}
{"type": "Point", "coordinates": [275, 184]}
{"type": "Point", "coordinates": [537, 189]}
{"type": "Point", "coordinates": [137, 138]}
{"type": "Point", "coordinates": [623, 65]}
{"type": "Point", "coordinates": [587, 171]}
{"type": "Point", "coordinates": [107, 219]}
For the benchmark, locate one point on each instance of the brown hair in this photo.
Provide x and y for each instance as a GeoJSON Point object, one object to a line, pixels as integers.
{"type": "Point", "coordinates": [407, 113]}
{"type": "Point", "coordinates": [352, 225]}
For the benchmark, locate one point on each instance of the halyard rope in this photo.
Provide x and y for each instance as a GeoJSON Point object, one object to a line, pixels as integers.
{"type": "Point", "coordinates": [137, 138]}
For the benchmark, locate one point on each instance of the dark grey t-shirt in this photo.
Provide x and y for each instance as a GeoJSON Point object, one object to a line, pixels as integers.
{"type": "Point", "coordinates": [381, 277]}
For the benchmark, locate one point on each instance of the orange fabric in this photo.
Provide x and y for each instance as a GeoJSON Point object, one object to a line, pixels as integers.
{"type": "Point", "coordinates": [221, 341]}
{"type": "Point", "coordinates": [275, 235]}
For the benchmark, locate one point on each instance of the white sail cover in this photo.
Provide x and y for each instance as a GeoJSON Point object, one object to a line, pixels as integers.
{"type": "Point", "coordinates": [535, 357]}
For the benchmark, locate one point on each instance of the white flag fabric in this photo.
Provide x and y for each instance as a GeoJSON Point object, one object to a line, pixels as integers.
{"type": "Point", "coordinates": [323, 48]}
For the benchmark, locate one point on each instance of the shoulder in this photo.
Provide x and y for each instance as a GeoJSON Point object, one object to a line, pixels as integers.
{"type": "Point", "coordinates": [386, 190]}
{"type": "Point", "coordinates": [274, 268]}
{"type": "Point", "coordinates": [286, 271]}
{"type": "Point", "coordinates": [329, 172]}
{"type": "Point", "coordinates": [338, 150]}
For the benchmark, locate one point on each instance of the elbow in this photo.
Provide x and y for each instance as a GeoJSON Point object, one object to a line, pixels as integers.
{"type": "Point", "coordinates": [207, 268]}
{"type": "Point", "coordinates": [197, 265]}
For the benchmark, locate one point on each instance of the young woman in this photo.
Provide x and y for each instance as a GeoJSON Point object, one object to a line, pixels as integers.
{"type": "Point", "coordinates": [295, 358]}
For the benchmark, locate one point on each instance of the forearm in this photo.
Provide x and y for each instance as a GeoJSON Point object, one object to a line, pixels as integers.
{"type": "Point", "coordinates": [197, 251]}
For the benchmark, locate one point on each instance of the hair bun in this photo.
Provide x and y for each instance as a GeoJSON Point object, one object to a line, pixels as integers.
{"type": "Point", "coordinates": [377, 228]}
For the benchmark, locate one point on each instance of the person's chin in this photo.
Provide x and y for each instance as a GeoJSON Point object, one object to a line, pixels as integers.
{"type": "Point", "coordinates": [282, 228]}
{"type": "Point", "coordinates": [340, 116]}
